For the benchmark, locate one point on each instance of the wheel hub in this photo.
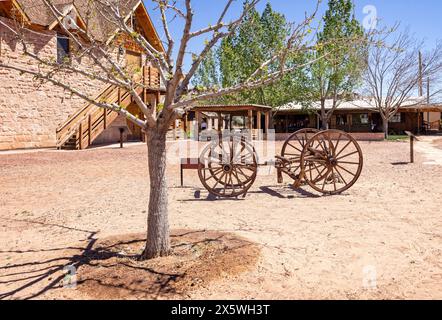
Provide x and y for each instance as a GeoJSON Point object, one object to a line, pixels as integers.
{"type": "Point", "coordinates": [333, 162]}
{"type": "Point", "coordinates": [227, 168]}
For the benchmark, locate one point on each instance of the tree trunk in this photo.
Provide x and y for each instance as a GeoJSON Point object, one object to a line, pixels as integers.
{"type": "Point", "coordinates": [324, 118]}
{"type": "Point", "coordinates": [385, 127]}
{"type": "Point", "coordinates": [158, 234]}
{"type": "Point", "coordinates": [325, 125]}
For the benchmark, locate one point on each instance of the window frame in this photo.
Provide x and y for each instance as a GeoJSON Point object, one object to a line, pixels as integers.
{"type": "Point", "coordinates": [394, 119]}
{"type": "Point", "coordinates": [63, 49]}
{"type": "Point", "coordinates": [342, 117]}
{"type": "Point", "coordinates": [357, 119]}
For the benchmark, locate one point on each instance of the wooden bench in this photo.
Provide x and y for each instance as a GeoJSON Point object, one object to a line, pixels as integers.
{"type": "Point", "coordinates": [188, 164]}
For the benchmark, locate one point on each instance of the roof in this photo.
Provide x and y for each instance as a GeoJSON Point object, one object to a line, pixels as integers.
{"type": "Point", "coordinates": [231, 108]}
{"type": "Point", "coordinates": [91, 13]}
{"type": "Point", "coordinates": [13, 10]}
{"type": "Point", "coordinates": [412, 104]}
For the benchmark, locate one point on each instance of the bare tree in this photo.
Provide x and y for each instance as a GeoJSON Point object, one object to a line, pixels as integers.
{"type": "Point", "coordinates": [392, 75]}
{"type": "Point", "coordinates": [170, 64]}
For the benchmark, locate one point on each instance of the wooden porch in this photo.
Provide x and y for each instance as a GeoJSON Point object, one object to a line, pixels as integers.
{"type": "Point", "coordinates": [256, 120]}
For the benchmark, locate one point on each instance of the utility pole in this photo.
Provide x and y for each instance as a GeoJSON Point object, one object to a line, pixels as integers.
{"type": "Point", "coordinates": [421, 84]}
{"type": "Point", "coordinates": [428, 90]}
{"type": "Point", "coordinates": [428, 98]}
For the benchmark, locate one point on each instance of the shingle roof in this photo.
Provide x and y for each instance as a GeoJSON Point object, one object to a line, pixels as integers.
{"type": "Point", "coordinates": [38, 12]}
{"type": "Point", "coordinates": [100, 28]}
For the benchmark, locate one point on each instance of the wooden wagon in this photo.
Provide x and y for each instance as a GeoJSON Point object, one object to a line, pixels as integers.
{"type": "Point", "coordinates": [329, 161]}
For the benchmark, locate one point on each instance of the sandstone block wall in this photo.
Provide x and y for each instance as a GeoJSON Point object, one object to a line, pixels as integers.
{"type": "Point", "coordinates": [30, 112]}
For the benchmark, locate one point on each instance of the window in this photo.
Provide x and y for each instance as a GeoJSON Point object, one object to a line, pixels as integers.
{"type": "Point", "coordinates": [341, 120]}
{"type": "Point", "coordinates": [397, 118]}
{"type": "Point", "coordinates": [134, 62]}
{"type": "Point", "coordinates": [361, 118]}
{"type": "Point", "coordinates": [3, 13]}
{"type": "Point", "coordinates": [364, 118]}
{"type": "Point", "coordinates": [63, 49]}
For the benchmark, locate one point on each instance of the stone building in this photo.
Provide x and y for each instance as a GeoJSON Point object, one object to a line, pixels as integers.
{"type": "Point", "coordinates": [40, 115]}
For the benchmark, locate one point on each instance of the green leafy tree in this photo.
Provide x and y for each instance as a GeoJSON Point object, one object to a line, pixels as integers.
{"type": "Point", "coordinates": [258, 39]}
{"type": "Point", "coordinates": [338, 73]}
{"type": "Point", "coordinates": [207, 76]}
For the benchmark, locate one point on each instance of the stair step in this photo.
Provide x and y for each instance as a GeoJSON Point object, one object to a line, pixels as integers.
{"type": "Point", "coordinates": [68, 148]}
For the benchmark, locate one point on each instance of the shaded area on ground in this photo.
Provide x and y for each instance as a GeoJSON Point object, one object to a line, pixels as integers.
{"type": "Point", "coordinates": [198, 257]}
{"type": "Point", "coordinates": [111, 269]}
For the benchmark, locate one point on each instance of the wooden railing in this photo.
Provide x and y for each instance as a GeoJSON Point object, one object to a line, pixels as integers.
{"type": "Point", "coordinates": [151, 78]}
{"type": "Point", "coordinates": [88, 122]}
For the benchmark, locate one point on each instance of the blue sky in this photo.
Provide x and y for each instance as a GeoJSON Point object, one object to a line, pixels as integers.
{"type": "Point", "coordinates": [423, 17]}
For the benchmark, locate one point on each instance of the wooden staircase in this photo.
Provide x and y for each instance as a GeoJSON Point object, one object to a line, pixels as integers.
{"type": "Point", "coordinates": [85, 125]}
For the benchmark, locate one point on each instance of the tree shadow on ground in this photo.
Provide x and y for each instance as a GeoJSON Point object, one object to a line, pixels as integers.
{"type": "Point", "coordinates": [50, 269]}
{"type": "Point", "coordinates": [109, 268]}
{"type": "Point", "coordinates": [47, 271]}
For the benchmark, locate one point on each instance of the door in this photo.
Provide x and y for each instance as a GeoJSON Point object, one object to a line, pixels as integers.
{"type": "Point", "coordinates": [133, 63]}
{"type": "Point", "coordinates": [135, 133]}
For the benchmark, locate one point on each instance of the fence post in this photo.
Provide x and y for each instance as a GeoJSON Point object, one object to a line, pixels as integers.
{"type": "Point", "coordinates": [105, 118]}
{"type": "Point", "coordinates": [411, 149]}
{"type": "Point", "coordinates": [89, 130]}
{"type": "Point", "coordinates": [80, 136]}
{"type": "Point", "coordinates": [121, 137]}
{"type": "Point", "coordinates": [412, 139]}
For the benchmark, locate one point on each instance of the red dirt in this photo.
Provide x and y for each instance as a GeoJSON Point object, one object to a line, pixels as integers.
{"type": "Point", "coordinates": [112, 270]}
{"type": "Point", "coordinates": [438, 143]}
{"type": "Point", "coordinates": [53, 204]}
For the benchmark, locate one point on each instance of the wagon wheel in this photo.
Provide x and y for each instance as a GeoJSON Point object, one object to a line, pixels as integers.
{"type": "Point", "coordinates": [219, 151]}
{"type": "Point", "coordinates": [292, 149]}
{"type": "Point", "coordinates": [331, 161]}
{"type": "Point", "coordinates": [228, 167]}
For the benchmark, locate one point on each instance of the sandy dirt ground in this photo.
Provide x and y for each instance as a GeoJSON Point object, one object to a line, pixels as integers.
{"type": "Point", "coordinates": [379, 240]}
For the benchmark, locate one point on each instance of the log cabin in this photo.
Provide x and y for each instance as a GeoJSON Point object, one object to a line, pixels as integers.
{"type": "Point", "coordinates": [41, 115]}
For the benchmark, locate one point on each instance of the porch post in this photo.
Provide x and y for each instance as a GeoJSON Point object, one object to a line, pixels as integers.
{"type": "Point", "coordinates": [220, 123]}
{"type": "Point", "coordinates": [250, 118]}
{"type": "Point", "coordinates": [198, 123]}
{"type": "Point", "coordinates": [185, 125]}
{"type": "Point", "coordinates": [267, 124]}
{"type": "Point", "coordinates": [418, 123]}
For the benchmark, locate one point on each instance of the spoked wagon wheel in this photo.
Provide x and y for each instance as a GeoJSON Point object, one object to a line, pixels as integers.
{"type": "Point", "coordinates": [228, 167]}
{"type": "Point", "coordinates": [331, 161]}
{"type": "Point", "coordinates": [292, 150]}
